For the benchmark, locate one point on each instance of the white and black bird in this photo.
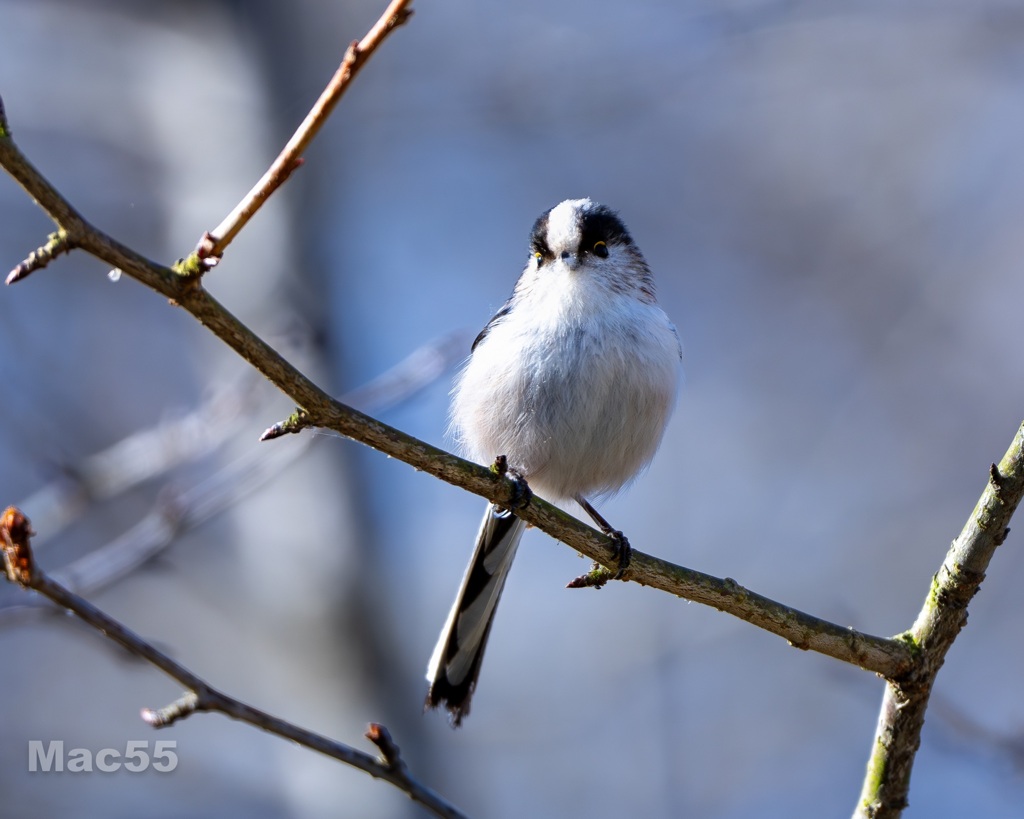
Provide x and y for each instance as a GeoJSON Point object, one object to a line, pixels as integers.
{"type": "Point", "coordinates": [573, 380]}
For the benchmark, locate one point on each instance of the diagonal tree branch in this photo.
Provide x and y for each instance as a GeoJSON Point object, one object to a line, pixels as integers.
{"type": "Point", "coordinates": [20, 568]}
{"type": "Point", "coordinates": [152, 452]}
{"type": "Point", "coordinates": [888, 657]}
{"type": "Point", "coordinates": [213, 243]}
{"type": "Point", "coordinates": [944, 614]}
{"type": "Point", "coordinates": [910, 661]}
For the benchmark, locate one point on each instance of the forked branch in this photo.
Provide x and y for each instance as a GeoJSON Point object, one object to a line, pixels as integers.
{"type": "Point", "coordinates": [943, 615]}
{"type": "Point", "coordinates": [211, 247]}
{"type": "Point", "coordinates": [909, 662]}
{"type": "Point", "coordinates": [20, 567]}
{"type": "Point", "coordinates": [883, 656]}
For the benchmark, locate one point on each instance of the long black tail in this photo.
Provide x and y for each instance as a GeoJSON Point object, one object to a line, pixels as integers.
{"type": "Point", "coordinates": [455, 665]}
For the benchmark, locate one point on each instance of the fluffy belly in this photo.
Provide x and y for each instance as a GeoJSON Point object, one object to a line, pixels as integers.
{"type": "Point", "coordinates": [584, 425]}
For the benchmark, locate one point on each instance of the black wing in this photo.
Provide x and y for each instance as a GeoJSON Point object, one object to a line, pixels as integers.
{"type": "Point", "coordinates": [496, 319]}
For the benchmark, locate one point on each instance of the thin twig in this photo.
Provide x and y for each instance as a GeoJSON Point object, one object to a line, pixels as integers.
{"type": "Point", "coordinates": [887, 657]}
{"type": "Point", "coordinates": [15, 531]}
{"type": "Point", "coordinates": [883, 656]}
{"type": "Point", "coordinates": [138, 458]}
{"type": "Point", "coordinates": [910, 662]}
{"type": "Point", "coordinates": [390, 753]}
{"type": "Point", "coordinates": [175, 512]}
{"type": "Point", "coordinates": [944, 614]}
{"type": "Point", "coordinates": [154, 451]}
{"type": "Point", "coordinates": [58, 243]}
{"type": "Point", "coordinates": [213, 244]}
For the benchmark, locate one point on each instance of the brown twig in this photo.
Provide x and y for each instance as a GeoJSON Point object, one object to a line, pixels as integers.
{"type": "Point", "coordinates": [39, 258]}
{"type": "Point", "coordinates": [149, 453]}
{"type": "Point", "coordinates": [213, 243]}
{"type": "Point", "coordinates": [390, 753]}
{"type": "Point", "coordinates": [292, 425]}
{"type": "Point", "coordinates": [943, 615]}
{"type": "Point", "coordinates": [910, 661]}
{"type": "Point", "coordinates": [883, 656]}
{"type": "Point", "coordinates": [15, 532]}
{"type": "Point", "coordinates": [138, 458]}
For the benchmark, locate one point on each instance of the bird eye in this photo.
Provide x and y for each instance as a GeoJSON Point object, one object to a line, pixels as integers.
{"type": "Point", "coordinates": [538, 256]}
{"type": "Point", "coordinates": [601, 250]}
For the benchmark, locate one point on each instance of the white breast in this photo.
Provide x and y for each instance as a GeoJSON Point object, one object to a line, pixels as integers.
{"type": "Point", "coordinates": [574, 385]}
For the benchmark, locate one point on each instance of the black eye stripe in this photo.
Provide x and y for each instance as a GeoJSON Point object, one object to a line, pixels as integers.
{"type": "Point", "coordinates": [538, 236]}
{"type": "Point", "coordinates": [540, 248]}
{"type": "Point", "coordinates": [602, 224]}
{"type": "Point", "coordinates": [597, 224]}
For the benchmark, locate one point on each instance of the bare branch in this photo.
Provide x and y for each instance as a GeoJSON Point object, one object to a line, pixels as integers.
{"type": "Point", "coordinates": [140, 457]}
{"type": "Point", "coordinates": [40, 257]}
{"type": "Point", "coordinates": [292, 425]}
{"type": "Point", "coordinates": [886, 657]}
{"type": "Point", "coordinates": [15, 532]}
{"type": "Point", "coordinates": [390, 754]}
{"type": "Point", "coordinates": [213, 243]}
{"type": "Point", "coordinates": [151, 452]}
{"type": "Point", "coordinates": [186, 704]}
{"type": "Point", "coordinates": [69, 222]}
{"type": "Point", "coordinates": [910, 662]}
{"type": "Point", "coordinates": [943, 615]}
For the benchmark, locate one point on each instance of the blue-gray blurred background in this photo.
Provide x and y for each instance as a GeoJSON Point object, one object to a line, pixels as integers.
{"type": "Point", "coordinates": [831, 198]}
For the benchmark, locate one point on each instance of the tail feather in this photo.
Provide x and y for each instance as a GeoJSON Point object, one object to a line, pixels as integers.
{"type": "Point", "coordinates": [455, 664]}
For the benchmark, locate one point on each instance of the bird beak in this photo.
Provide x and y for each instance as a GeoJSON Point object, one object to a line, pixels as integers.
{"type": "Point", "coordinates": [571, 260]}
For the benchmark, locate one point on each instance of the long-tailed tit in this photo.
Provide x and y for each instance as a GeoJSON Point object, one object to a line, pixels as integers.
{"type": "Point", "coordinates": [573, 380]}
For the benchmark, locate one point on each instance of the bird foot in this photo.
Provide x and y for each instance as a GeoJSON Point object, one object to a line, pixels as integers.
{"type": "Point", "coordinates": [521, 492]}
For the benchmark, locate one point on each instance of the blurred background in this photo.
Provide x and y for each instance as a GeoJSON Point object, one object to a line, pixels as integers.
{"type": "Point", "coordinates": [830, 198]}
